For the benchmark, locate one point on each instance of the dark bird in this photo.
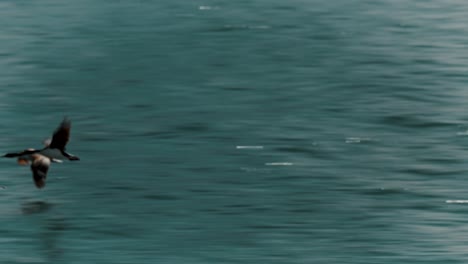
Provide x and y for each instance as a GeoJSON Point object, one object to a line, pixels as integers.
{"type": "Point", "coordinates": [54, 151]}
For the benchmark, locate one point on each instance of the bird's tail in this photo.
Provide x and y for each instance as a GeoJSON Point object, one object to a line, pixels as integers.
{"type": "Point", "coordinates": [11, 155]}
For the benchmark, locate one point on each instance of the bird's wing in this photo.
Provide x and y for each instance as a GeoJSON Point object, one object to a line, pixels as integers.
{"type": "Point", "coordinates": [47, 142]}
{"type": "Point", "coordinates": [39, 167]}
{"type": "Point", "coordinates": [61, 135]}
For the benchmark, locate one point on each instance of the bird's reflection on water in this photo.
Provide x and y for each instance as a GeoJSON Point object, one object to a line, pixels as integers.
{"type": "Point", "coordinates": [51, 228]}
{"type": "Point", "coordinates": [35, 207]}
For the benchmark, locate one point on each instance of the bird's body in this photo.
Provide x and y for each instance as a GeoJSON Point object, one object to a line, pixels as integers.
{"type": "Point", "coordinates": [40, 166]}
{"type": "Point", "coordinates": [56, 154]}
{"type": "Point", "coordinates": [54, 151]}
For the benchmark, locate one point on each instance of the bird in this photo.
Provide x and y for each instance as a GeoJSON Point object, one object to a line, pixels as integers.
{"type": "Point", "coordinates": [54, 151]}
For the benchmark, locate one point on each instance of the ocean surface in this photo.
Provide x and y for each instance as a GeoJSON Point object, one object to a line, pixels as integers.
{"type": "Point", "coordinates": [237, 131]}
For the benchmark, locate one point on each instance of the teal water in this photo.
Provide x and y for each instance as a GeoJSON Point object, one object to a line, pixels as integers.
{"type": "Point", "coordinates": [237, 132]}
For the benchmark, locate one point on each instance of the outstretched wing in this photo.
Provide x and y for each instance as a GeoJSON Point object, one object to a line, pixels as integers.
{"type": "Point", "coordinates": [61, 135]}
{"type": "Point", "coordinates": [47, 142]}
{"type": "Point", "coordinates": [39, 167]}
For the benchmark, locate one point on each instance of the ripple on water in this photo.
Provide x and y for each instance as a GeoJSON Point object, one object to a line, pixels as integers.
{"type": "Point", "coordinates": [283, 163]}
{"type": "Point", "coordinates": [96, 136]}
{"type": "Point", "coordinates": [359, 140]}
{"type": "Point", "coordinates": [403, 198]}
{"type": "Point", "coordinates": [296, 149]}
{"type": "Point", "coordinates": [35, 207]}
{"type": "Point", "coordinates": [205, 8]}
{"type": "Point", "coordinates": [410, 121]}
{"type": "Point", "coordinates": [249, 147]}
{"type": "Point", "coordinates": [423, 171]}
{"type": "Point", "coordinates": [233, 27]}
{"type": "Point", "coordinates": [397, 191]}
{"type": "Point", "coordinates": [160, 197]}
{"type": "Point", "coordinates": [193, 127]}
{"type": "Point", "coordinates": [456, 201]}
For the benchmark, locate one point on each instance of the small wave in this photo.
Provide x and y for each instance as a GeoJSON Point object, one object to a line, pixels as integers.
{"type": "Point", "coordinates": [415, 122]}
{"type": "Point", "coordinates": [207, 7]}
{"type": "Point", "coordinates": [295, 149]}
{"type": "Point", "coordinates": [385, 191]}
{"type": "Point", "coordinates": [193, 127]}
{"type": "Point", "coordinates": [456, 201]}
{"type": "Point", "coordinates": [249, 147]}
{"type": "Point", "coordinates": [230, 27]}
{"type": "Point", "coordinates": [463, 133]}
{"type": "Point", "coordinates": [357, 140]}
{"type": "Point", "coordinates": [279, 164]}
{"type": "Point", "coordinates": [256, 170]}
{"type": "Point", "coordinates": [160, 197]}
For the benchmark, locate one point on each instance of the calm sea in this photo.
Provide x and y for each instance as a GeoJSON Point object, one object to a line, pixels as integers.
{"type": "Point", "coordinates": [237, 131]}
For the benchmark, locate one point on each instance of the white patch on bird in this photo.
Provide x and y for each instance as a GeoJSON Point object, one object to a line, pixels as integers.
{"type": "Point", "coordinates": [47, 142]}
{"type": "Point", "coordinates": [41, 159]}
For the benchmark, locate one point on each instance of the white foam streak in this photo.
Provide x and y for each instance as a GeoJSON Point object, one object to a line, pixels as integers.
{"type": "Point", "coordinates": [249, 147]}
{"type": "Point", "coordinates": [207, 7]}
{"type": "Point", "coordinates": [279, 164]}
{"type": "Point", "coordinates": [457, 201]}
{"type": "Point", "coordinates": [351, 140]}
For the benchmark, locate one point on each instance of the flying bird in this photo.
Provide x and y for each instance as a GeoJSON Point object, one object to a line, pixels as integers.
{"type": "Point", "coordinates": [40, 159]}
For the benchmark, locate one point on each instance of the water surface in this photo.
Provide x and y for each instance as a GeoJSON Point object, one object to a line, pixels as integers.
{"type": "Point", "coordinates": [246, 132]}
